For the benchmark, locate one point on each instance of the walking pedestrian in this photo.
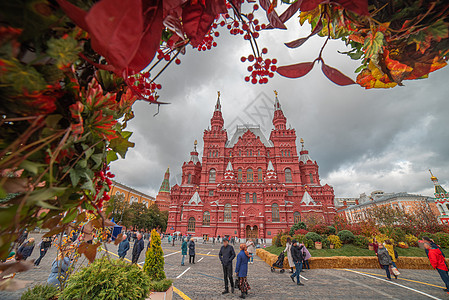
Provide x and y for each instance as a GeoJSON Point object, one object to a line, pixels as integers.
{"type": "Point", "coordinates": [213, 240]}
{"type": "Point", "coordinates": [306, 256]}
{"type": "Point", "coordinates": [226, 255]}
{"type": "Point", "coordinates": [22, 238]}
{"type": "Point", "coordinates": [59, 269]}
{"type": "Point", "coordinates": [137, 248]}
{"type": "Point", "coordinates": [384, 259]}
{"type": "Point", "coordinates": [297, 260]}
{"type": "Point", "coordinates": [123, 247]}
{"type": "Point", "coordinates": [288, 247]}
{"type": "Point", "coordinates": [432, 244]}
{"type": "Point", "coordinates": [26, 249]}
{"type": "Point", "coordinates": [394, 257]}
{"type": "Point", "coordinates": [183, 251]}
{"type": "Point", "coordinates": [44, 246]}
{"type": "Point", "coordinates": [438, 262]}
{"type": "Point", "coordinates": [251, 248]}
{"type": "Point", "coordinates": [241, 270]}
{"type": "Point", "coordinates": [192, 251]}
{"type": "Point", "coordinates": [173, 241]}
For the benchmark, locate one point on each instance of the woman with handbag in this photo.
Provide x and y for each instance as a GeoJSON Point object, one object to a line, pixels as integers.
{"type": "Point", "coordinates": [241, 270]}
{"type": "Point", "coordinates": [394, 256]}
{"type": "Point", "coordinates": [384, 259]}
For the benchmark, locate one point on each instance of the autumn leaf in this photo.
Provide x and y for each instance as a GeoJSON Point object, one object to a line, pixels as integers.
{"type": "Point", "coordinates": [373, 44]}
{"type": "Point", "coordinates": [89, 250]}
{"type": "Point", "coordinates": [197, 21]}
{"type": "Point", "coordinates": [296, 70]}
{"type": "Point", "coordinates": [335, 75]}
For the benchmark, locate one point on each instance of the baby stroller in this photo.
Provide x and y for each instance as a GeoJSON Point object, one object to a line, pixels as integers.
{"type": "Point", "coordinates": [279, 264]}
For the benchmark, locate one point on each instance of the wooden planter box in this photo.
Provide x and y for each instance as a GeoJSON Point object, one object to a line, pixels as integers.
{"type": "Point", "coordinates": [371, 247]}
{"type": "Point", "coordinates": [318, 245]}
{"type": "Point", "coordinates": [331, 246]}
{"type": "Point", "coordinates": [167, 295]}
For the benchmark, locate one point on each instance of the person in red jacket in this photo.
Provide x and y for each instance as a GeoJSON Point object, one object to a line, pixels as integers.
{"type": "Point", "coordinates": [438, 262]}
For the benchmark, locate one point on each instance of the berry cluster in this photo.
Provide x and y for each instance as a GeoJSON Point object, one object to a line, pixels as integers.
{"type": "Point", "coordinates": [208, 41]}
{"type": "Point", "coordinates": [248, 29]}
{"type": "Point", "coordinates": [167, 52]}
{"type": "Point", "coordinates": [142, 85]}
{"type": "Point", "coordinates": [261, 68]}
{"type": "Point", "coordinates": [104, 183]}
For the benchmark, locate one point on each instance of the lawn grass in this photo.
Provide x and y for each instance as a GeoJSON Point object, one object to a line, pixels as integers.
{"type": "Point", "coordinates": [351, 250]}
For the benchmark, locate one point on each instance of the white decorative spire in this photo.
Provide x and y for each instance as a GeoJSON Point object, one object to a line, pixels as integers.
{"type": "Point", "coordinates": [195, 200]}
{"type": "Point", "coordinates": [271, 173]}
{"type": "Point", "coordinates": [270, 166]}
{"type": "Point", "coordinates": [229, 167]}
{"type": "Point", "coordinates": [307, 199]}
{"type": "Point", "coordinates": [218, 105]}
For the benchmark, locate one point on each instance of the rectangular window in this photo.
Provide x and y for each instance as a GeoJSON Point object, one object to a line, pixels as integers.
{"type": "Point", "coordinates": [311, 178]}
{"type": "Point", "coordinates": [211, 193]}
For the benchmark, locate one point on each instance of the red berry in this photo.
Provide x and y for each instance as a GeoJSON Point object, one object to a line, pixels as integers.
{"type": "Point", "coordinates": [214, 44]}
{"type": "Point", "coordinates": [273, 68]}
{"type": "Point", "coordinates": [250, 16]}
{"type": "Point", "coordinates": [229, 26]}
{"type": "Point", "coordinates": [256, 7]}
{"type": "Point", "coordinates": [250, 68]}
{"type": "Point", "coordinates": [255, 35]}
{"type": "Point", "coordinates": [271, 75]}
{"type": "Point", "coordinates": [247, 78]}
{"type": "Point", "coordinates": [167, 57]}
{"type": "Point", "coordinates": [255, 22]}
{"type": "Point", "coordinates": [267, 61]}
{"type": "Point", "coordinates": [159, 86]}
{"type": "Point", "coordinates": [263, 26]}
{"type": "Point", "coordinates": [254, 81]}
{"type": "Point", "coordinates": [274, 61]}
{"type": "Point", "coordinates": [177, 61]}
{"type": "Point", "coordinates": [222, 23]}
{"type": "Point", "coordinates": [257, 28]}
{"type": "Point", "coordinates": [243, 59]}
{"type": "Point", "coordinates": [251, 57]}
{"type": "Point", "coordinates": [264, 50]}
{"type": "Point", "coordinates": [216, 33]}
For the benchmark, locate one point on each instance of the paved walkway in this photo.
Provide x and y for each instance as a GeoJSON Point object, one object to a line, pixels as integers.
{"type": "Point", "coordinates": [203, 280]}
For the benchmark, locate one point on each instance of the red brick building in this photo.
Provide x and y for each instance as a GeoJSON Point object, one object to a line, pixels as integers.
{"type": "Point", "coordinates": [248, 186]}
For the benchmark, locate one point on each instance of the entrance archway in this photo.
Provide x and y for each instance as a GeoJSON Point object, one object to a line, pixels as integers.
{"type": "Point", "coordinates": [252, 232]}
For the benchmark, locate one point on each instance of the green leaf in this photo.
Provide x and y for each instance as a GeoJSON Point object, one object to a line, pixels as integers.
{"type": "Point", "coordinates": [63, 50]}
{"type": "Point", "coordinates": [439, 30]}
{"type": "Point", "coordinates": [30, 166]}
{"type": "Point", "coordinates": [46, 194]}
{"type": "Point", "coordinates": [82, 163]}
{"type": "Point", "coordinates": [88, 185]}
{"type": "Point", "coordinates": [98, 159]}
{"type": "Point", "coordinates": [111, 156]}
{"type": "Point", "coordinates": [3, 194]}
{"type": "Point", "coordinates": [126, 134]}
{"type": "Point", "coordinates": [21, 77]}
{"type": "Point", "coordinates": [120, 145]}
{"type": "Point", "coordinates": [52, 120]}
{"type": "Point", "coordinates": [89, 152]}
{"type": "Point", "coordinates": [44, 204]}
{"type": "Point", "coordinates": [70, 216]}
{"type": "Point", "coordinates": [373, 45]}
{"type": "Point", "coordinates": [75, 176]}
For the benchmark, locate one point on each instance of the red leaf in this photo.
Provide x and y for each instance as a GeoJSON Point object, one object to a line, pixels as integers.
{"type": "Point", "coordinates": [290, 11]}
{"type": "Point", "coordinates": [75, 13]}
{"type": "Point", "coordinates": [296, 70]}
{"type": "Point", "coordinates": [273, 18]}
{"type": "Point", "coordinates": [174, 24]}
{"type": "Point", "coordinates": [216, 7]}
{"type": "Point", "coordinates": [197, 22]}
{"type": "Point", "coordinates": [296, 43]}
{"type": "Point", "coordinates": [358, 6]}
{"type": "Point", "coordinates": [151, 37]}
{"type": "Point", "coordinates": [116, 28]}
{"type": "Point", "coordinates": [336, 76]}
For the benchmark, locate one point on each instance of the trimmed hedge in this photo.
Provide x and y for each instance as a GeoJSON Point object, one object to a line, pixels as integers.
{"type": "Point", "coordinates": [361, 241]}
{"type": "Point", "coordinates": [346, 236]}
{"type": "Point", "coordinates": [313, 236]}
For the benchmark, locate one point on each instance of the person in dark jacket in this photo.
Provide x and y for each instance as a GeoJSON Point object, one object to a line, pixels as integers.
{"type": "Point", "coordinates": [183, 251]}
{"type": "Point", "coordinates": [45, 245]}
{"type": "Point", "coordinates": [438, 262]}
{"type": "Point", "coordinates": [226, 255]}
{"type": "Point", "coordinates": [384, 259]}
{"type": "Point", "coordinates": [192, 251]}
{"type": "Point", "coordinates": [22, 238]}
{"type": "Point", "coordinates": [139, 245]}
{"type": "Point", "coordinates": [297, 260]}
{"type": "Point", "coordinates": [123, 247]}
{"type": "Point", "coordinates": [241, 270]}
{"type": "Point", "coordinates": [26, 249]}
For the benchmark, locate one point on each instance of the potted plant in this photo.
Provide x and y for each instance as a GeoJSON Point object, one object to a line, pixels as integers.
{"type": "Point", "coordinates": [318, 245]}
{"type": "Point", "coordinates": [335, 242]}
{"type": "Point", "coordinates": [371, 246]}
{"type": "Point", "coordinates": [402, 245]}
{"type": "Point", "coordinates": [160, 287]}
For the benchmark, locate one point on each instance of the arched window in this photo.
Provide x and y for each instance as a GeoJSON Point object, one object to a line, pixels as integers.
{"type": "Point", "coordinates": [268, 153]}
{"type": "Point", "coordinates": [212, 174]}
{"type": "Point", "coordinates": [441, 209]}
{"type": "Point", "coordinates": [227, 212]}
{"type": "Point", "coordinates": [254, 198]}
{"type": "Point", "coordinates": [250, 152]}
{"type": "Point", "coordinates": [247, 152]}
{"type": "Point", "coordinates": [259, 175]}
{"type": "Point", "coordinates": [206, 218]}
{"type": "Point", "coordinates": [288, 175]}
{"type": "Point", "coordinates": [274, 212]}
{"type": "Point", "coordinates": [282, 153]}
{"type": "Point", "coordinates": [447, 206]}
{"type": "Point", "coordinates": [240, 152]}
{"type": "Point", "coordinates": [191, 224]}
{"type": "Point", "coordinates": [249, 175]}
{"type": "Point", "coordinates": [247, 198]}
{"type": "Point", "coordinates": [189, 179]}
{"type": "Point", "coordinates": [288, 152]}
{"type": "Point", "coordinates": [311, 178]}
{"type": "Point", "coordinates": [239, 175]}
{"type": "Point", "coordinates": [296, 217]}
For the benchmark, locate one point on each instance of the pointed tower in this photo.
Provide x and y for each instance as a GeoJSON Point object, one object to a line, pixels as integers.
{"type": "Point", "coordinates": [279, 120]}
{"type": "Point", "coordinates": [308, 167]}
{"type": "Point", "coordinates": [191, 170]}
{"type": "Point", "coordinates": [271, 174]}
{"type": "Point", "coordinates": [217, 121]}
{"type": "Point", "coordinates": [163, 197]}
{"type": "Point", "coordinates": [441, 200]}
{"type": "Point", "coordinates": [229, 176]}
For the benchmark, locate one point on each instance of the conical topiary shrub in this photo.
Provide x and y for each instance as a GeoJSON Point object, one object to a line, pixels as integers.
{"type": "Point", "coordinates": [154, 259]}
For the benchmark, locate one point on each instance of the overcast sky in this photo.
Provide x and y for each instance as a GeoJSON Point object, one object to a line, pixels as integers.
{"type": "Point", "coordinates": [362, 140]}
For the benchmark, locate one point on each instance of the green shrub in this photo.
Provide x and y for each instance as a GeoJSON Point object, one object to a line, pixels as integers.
{"type": "Point", "coordinates": [398, 235]}
{"type": "Point", "coordinates": [346, 236]}
{"type": "Point", "coordinates": [331, 230]}
{"type": "Point", "coordinates": [297, 226]}
{"type": "Point", "coordinates": [422, 234]}
{"type": "Point", "coordinates": [107, 279]}
{"type": "Point", "coordinates": [154, 258]}
{"type": "Point", "coordinates": [313, 236]}
{"type": "Point", "coordinates": [443, 239]}
{"type": "Point", "coordinates": [284, 240]}
{"type": "Point", "coordinates": [277, 240]}
{"type": "Point", "coordinates": [308, 243]}
{"type": "Point", "coordinates": [335, 240]}
{"type": "Point", "coordinates": [411, 240]}
{"type": "Point", "coordinates": [161, 285]}
{"type": "Point", "coordinates": [298, 237]}
{"type": "Point", "coordinates": [40, 292]}
{"type": "Point", "coordinates": [325, 242]}
{"type": "Point", "coordinates": [361, 241]}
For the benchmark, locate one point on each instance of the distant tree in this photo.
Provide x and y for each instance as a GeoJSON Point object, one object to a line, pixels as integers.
{"type": "Point", "coordinates": [119, 206]}
{"type": "Point", "coordinates": [140, 216]}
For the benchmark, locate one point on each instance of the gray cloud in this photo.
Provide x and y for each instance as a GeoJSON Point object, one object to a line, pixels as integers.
{"type": "Point", "coordinates": [362, 139]}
